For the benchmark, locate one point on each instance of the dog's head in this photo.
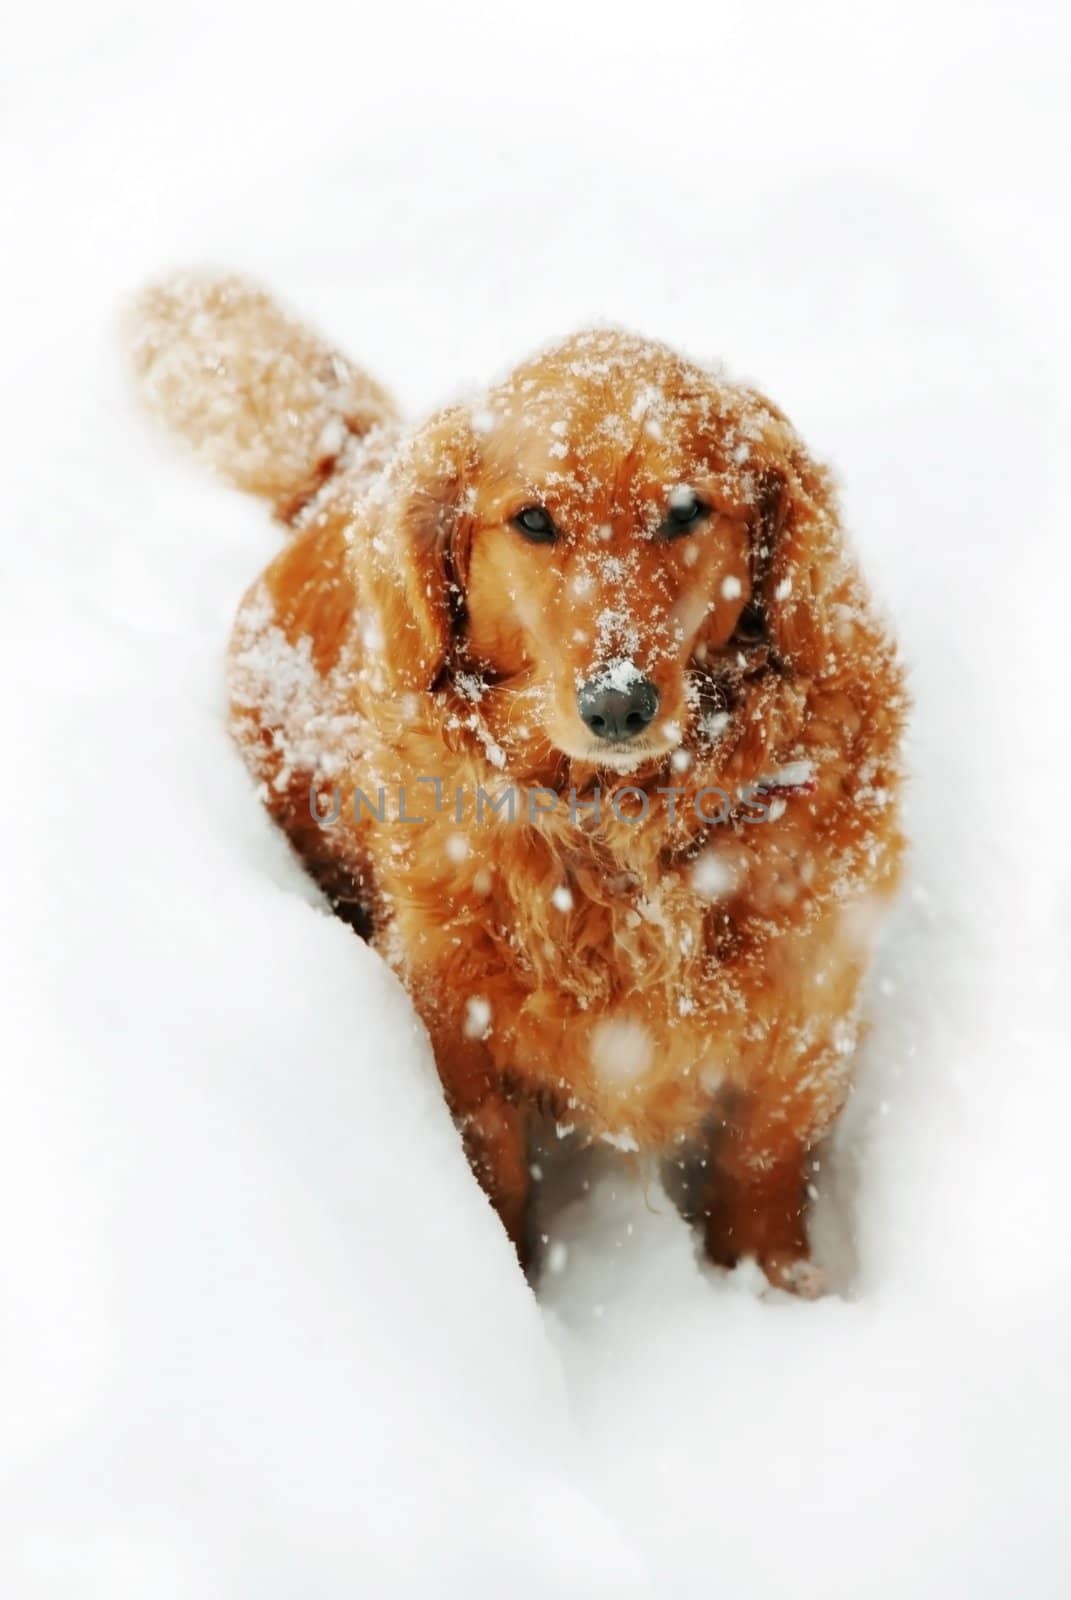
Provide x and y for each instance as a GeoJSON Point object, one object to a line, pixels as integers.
{"type": "Point", "coordinates": [603, 548]}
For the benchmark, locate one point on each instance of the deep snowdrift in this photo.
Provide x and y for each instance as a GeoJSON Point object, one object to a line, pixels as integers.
{"type": "Point", "coordinates": [261, 1333]}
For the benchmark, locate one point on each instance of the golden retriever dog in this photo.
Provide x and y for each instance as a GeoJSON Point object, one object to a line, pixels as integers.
{"type": "Point", "coordinates": [574, 702]}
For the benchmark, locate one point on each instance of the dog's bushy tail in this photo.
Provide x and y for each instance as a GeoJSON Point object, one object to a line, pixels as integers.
{"type": "Point", "coordinates": [259, 396]}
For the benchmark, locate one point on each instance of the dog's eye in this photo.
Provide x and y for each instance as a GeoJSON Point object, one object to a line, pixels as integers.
{"type": "Point", "coordinates": [536, 525]}
{"type": "Point", "coordinates": [684, 511]}
{"type": "Point", "coordinates": [750, 626]}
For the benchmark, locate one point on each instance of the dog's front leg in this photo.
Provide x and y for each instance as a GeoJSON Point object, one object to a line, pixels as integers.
{"type": "Point", "coordinates": [494, 1129]}
{"type": "Point", "coordinates": [496, 1143]}
{"type": "Point", "coordinates": [760, 1154]}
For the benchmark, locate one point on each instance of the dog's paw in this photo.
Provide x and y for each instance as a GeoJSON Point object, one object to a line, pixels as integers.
{"type": "Point", "coordinates": [796, 1275]}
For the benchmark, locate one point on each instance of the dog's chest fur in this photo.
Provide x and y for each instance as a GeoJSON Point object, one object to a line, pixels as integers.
{"type": "Point", "coordinates": [620, 973]}
{"type": "Point", "coordinates": [621, 983]}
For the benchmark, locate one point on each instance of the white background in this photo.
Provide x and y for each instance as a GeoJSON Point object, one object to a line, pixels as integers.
{"type": "Point", "coordinates": [260, 1335]}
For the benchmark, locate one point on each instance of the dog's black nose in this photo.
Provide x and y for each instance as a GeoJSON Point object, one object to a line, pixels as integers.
{"type": "Point", "coordinates": [617, 712]}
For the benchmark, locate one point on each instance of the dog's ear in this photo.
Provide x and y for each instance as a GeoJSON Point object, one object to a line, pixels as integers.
{"type": "Point", "coordinates": [411, 553]}
{"type": "Point", "coordinates": [806, 585]}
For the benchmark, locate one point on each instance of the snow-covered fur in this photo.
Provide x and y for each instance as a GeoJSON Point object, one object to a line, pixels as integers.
{"type": "Point", "coordinates": [631, 953]}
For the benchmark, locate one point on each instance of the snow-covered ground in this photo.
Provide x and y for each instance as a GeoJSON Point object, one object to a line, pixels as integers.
{"type": "Point", "coordinates": [260, 1334]}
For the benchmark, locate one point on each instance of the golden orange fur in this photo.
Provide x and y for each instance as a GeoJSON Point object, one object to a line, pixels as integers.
{"type": "Point", "coordinates": [668, 980]}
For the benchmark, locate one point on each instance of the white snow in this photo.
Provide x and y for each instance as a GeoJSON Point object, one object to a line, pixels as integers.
{"type": "Point", "coordinates": [620, 1141]}
{"type": "Point", "coordinates": [261, 1333]}
{"type": "Point", "coordinates": [622, 1050]}
{"type": "Point", "coordinates": [713, 876]}
{"type": "Point", "coordinates": [557, 1256]}
{"type": "Point", "coordinates": [477, 1017]}
{"type": "Point", "coordinates": [791, 775]}
{"type": "Point", "coordinates": [620, 673]}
